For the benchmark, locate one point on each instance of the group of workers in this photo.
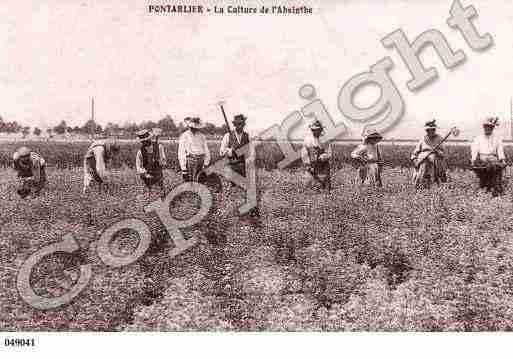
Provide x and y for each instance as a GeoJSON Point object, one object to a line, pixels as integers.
{"type": "Point", "coordinates": [428, 158]}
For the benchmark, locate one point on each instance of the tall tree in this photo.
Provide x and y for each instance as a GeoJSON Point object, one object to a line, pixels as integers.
{"type": "Point", "coordinates": [37, 131]}
{"type": "Point", "coordinates": [168, 126]}
{"type": "Point", "coordinates": [60, 128]}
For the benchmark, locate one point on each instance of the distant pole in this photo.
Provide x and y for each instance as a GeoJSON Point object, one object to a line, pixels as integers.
{"type": "Point", "coordinates": [92, 108]}
{"type": "Point", "coordinates": [511, 117]}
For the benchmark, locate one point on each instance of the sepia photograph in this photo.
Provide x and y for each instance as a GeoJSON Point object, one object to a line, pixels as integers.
{"type": "Point", "coordinates": [242, 167]}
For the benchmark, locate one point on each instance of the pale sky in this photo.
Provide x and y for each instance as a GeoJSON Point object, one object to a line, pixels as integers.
{"type": "Point", "coordinates": [57, 54]}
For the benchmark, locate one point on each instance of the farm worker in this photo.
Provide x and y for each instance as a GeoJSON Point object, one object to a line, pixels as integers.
{"type": "Point", "coordinates": [434, 165]}
{"type": "Point", "coordinates": [30, 167]}
{"type": "Point", "coordinates": [316, 155]}
{"type": "Point", "coordinates": [98, 154]}
{"type": "Point", "coordinates": [368, 158]}
{"type": "Point", "coordinates": [488, 158]}
{"type": "Point", "coordinates": [232, 141]}
{"type": "Point", "coordinates": [150, 158]}
{"type": "Point", "coordinates": [193, 152]}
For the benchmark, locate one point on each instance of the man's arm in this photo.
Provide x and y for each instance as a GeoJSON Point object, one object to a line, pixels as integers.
{"type": "Point", "coordinates": [99, 156]}
{"type": "Point", "coordinates": [500, 150]}
{"type": "Point", "coordinates": [474, 149]}
{"type": "Point", "coordinates": [139, 163]}
{"type": "Point", "coordinates": [182, 155]}
{"type": "Point", "coordinates": [207, 152]}
{"type": "Point", "coordinates": [417, 150]}
{"type": "Point", "coordinates": [163, 159]}
{"type": "Point", "coordinates": [36, 170]}
{"type": "Point", "coordinates": [223, 150]}
{"type": "Point", "coordinates": [358, 152]}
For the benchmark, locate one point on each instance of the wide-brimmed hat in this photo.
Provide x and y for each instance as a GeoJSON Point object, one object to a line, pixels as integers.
{"type": "Point", "coordinates": [193, 122]}
{"type": "Point", "coordinates": [21, 152]}
{"type": "Point", "coordinates": [491, 121]}
{"type": "Point", "coordinates": [144, 135]}
{"type": "Point", "coordinates": [316, 125]}
{"type": "Point", "coordinates": [371, 133]}
{"type": "Point", "coordinates": [239, 120]}
{"type": "Point", "coordinates": [430, 125]}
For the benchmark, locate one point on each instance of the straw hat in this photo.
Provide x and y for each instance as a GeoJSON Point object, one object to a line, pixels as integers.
{"type": "Point", "coordinates": [371, 133]}
{"type": "Point", "coordinates": [194, 122]}
{"type": "Point", "coordinates": [144, 135]}
{"type": "Point", "coordinates": [21, 152]}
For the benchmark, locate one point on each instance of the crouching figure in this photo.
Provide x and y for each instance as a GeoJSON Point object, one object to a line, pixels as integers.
{"type": "Point", "coordinates": [30, 167]}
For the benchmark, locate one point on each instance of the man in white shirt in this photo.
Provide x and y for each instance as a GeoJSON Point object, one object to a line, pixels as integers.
{"type": "Point", "coordinates": [193, 152]}
{"type": "Point", "coordinates": [98, 154]}
{"type": "Point", "coordinates": [316, 155]}
{"type": "Point", "coordinates": [30, 167]}
{"type": "Point", "coordinates": [150, 159]}
{"type": "Point", "coordinates": [488, 158]}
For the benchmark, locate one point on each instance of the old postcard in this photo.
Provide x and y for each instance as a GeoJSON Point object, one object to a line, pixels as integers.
{"type": "Point", "coordinates": [256, 166]}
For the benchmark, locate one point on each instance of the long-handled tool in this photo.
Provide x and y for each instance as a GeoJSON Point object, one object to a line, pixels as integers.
{"type": "Point", "coordinates": [221, 103]}
{"type": "Point", "coordinates": [454, 131]}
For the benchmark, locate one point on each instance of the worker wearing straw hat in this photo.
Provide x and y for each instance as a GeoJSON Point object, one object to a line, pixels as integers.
{"type": "Point", "coordinates": [429, 164]}
{"type": "Point", "coordinates": [368, 158]}
{"type": "Point", "coordinates": [193, 152]}
{"type": "Point", "coordinates": [150, 158]}
{"type": "Point", "coordinates": [316, 155]}
{"type": "Point", "coordinates": [232, 141]}
{"type": "Point", "coordinates": [30, 167]}
{"type": "Point", "coordinates": [488, 159]}
{"type": "Point", "coordinates": [99, 153]}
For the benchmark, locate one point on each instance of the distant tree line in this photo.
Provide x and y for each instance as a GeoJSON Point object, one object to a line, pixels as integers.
{"type": "Point", "coordinates": [91, 127]}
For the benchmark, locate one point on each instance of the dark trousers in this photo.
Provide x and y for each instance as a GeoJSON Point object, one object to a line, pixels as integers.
{"type": "Point", "coordinates": [157, 178]}
{"type": "Point", "coordinates": [490, 178]}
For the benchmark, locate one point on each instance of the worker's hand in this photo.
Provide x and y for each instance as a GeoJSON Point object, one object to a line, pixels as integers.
{"type": "Point", "coordinates": [324, 157]}
{"type": "Point", "coordinates": [147, 175]}
{"type": "Point", "coordinates": [229, 152]}
{"type": "Point", "coordinates": [185, 176]}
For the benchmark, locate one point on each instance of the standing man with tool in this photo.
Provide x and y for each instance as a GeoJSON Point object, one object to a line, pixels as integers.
{"type": "Point", "coordinates": [230, 144]}
{"type": "Point", "coordinates": [488, 160]}
{"type": "Point", "coordinates": [232, 141]}
{"type": "Point", "coordinates": [193, 152]}
{"type": "Point", "coordinates": [428, 157]}
{"type": "Point", "coordinates": [316, 156]}
{"type": "Point", "coordinates": [30, 167]}
{"type": "Point", "coordinates": [150, 159]}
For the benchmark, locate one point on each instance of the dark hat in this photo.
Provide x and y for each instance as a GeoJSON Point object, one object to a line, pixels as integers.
{"type": "Point", "coordinates": [239, 119]}
{"type": "Point", "coordinates": [430, 125]}
{"type": "Point", "coordinates": [372, 133]}
{"type": "Point", "coordinates": [316, 125]}
{"type": "Point", "coordinates": [491, 122]}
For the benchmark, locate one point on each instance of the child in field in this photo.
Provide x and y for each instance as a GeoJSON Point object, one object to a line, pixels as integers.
{"type": "Point", "coordinates": [368, 158]}
{"type": "Point", "coordinates": [30, 167]}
